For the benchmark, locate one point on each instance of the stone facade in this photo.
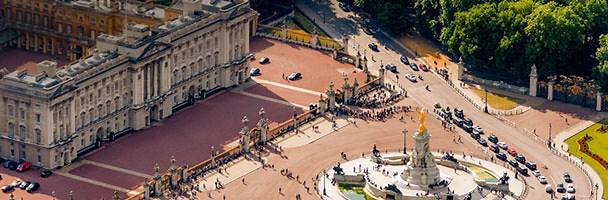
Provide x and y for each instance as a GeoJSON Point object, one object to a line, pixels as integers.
{"type": "Point", "coordinates": [129, 82]}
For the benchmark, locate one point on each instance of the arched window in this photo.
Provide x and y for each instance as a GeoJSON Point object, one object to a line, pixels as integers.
{"type": "Point", "coordinates": [22, 131]}
{"type": "Point", "coordinates": [61, 132]}
{"type": "Point", "coordinates": [116, 103]}
{"type": "Point", "coordinates": [82, 119]}
{"type": "Point", "coordinates": [108, 107]}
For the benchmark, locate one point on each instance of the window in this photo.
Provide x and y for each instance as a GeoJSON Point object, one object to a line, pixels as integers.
{"type": "Point", "coordinates": [38, 117]}
{"type": "Point", "coordinates": [90, 138]}
{"type": "Point", "coordinates": [38, 136]}
{"type": "Point", "coordinates": [11, 130]}
{"type": "Point", "coordinates": [22, 133]}
{"type": "Point", "coordinates": [39, 157]}
{"type": "Point", "coordinates": [12, 152]}
{"type": "Point", "coordinates": [11, 111]}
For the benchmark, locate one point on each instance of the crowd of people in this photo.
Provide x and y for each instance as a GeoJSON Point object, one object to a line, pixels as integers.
{"type": "Point", "coordinates": [373, 115]}
{"type": "Point", "coordinates": [376, 98]}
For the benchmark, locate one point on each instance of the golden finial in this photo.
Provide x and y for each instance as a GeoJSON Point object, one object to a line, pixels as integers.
{"type": "Point", "coordinates": [421, 116]}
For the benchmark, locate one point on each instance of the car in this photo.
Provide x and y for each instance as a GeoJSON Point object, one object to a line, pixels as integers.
{"type": "Point", "coordinates": [344, 7]}
{"type": "Point", "coordinates": [392, 68]}
{"type": "Point", "coordinates": [32, 187]}
{"type": "Point", "coordinates": [567, 178]}
{"type": "Point", "coordinates": [424, 68]}
{"type": "Point", "coordinates": [501, 155]}
{"type": "Point", "coordinates": [414, 67]}
{"type": "Point", "coordinates": [568, 196]}
{"type": "Point", "coordinates": [294, 76]}
{"type": "Point", "coordinates": [494, 148]}
{"type": "Point", "coordinates": [404, 60]}
{"type": "Point", "coordinates": [548, 188]}
{"type": "Point", "coordinates": [493, 139]}
{"type": "Point", "coordinates": [254, 71]}
{"type": "Point", "coordinates": [481, 141]}
{"type": "Point", "coordinates": [522, 170]}
{"type": "Point", "coordinates": [560, 188]}
{"type": "Point", "coordinates": [264, 60]}
{"type": "Point", "coordinates": [45, 173]}
{"type": "Point", "coordinates": [23, 166]}
{"type": "Point", "coordinates": [467, 128]}
{"type": "Point", "coordinates": [570, 188]}
{"type": "Point", "coordinates": [477, 129]}
{"type": "Point", "coordinates": [24, 184]}
{"type": "Point", "coordinates": [503, 145]}
{"type": "Point", "coordinates": [531, 165]}
{"type": "Point", "coordinates": [437, 105]}
{"type": "Point", "coordinates": [513, 163]}
{"type": "Point", "coordinates": [542, 179]}
{"type": "Point", "coordinates": [16, 183]}
{"type": "Point", "coordinates": [7, 188]}
{"type": "Point", "coordinates": [536, 173]}
{"type": "Point", "coordinates": [468, 122]}
{"type": "Point", "coordinates": [9, 164]}
{"type": "Point", "coordinates": [450, 158]}
{"type": "Point", "coordinates": [520, 158]}
{"type": "Point", "coordinates": [457, 121]}
{"type": "Point", "coordinates": [512, 151]}
{"type": "Point", "coordinates": [373, 47]}
{"type": "Point", "coordinates": [411, 77]}
{"type": "Point", "coordinates": [459, 113]}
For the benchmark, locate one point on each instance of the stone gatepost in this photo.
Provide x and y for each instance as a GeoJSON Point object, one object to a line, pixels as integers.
{"type": "Point", "coordinates": [331, 94]}
{"type": "Point", "coordinates": [460, 71]}
{"type": "Point", "coordinates": [346, 90]}
{"type": "Point", "coordinates": [598, 101]}
{"type": "Point", "coordinates": [533, 81]}
{"type": "Point", "coordinates": [263, 124]}
{"type": "Point", "coordinates": [355, 88]}
{"type": "Point", "coordinates": [314, 40]}
{"type": "Point", "coordinates": [173, 173]}
{"type": "Point", "coordinates": [146, 189]}
{"type": "Point", "coordinates": [358, 60]}
{"type": "Point", "coordinates": [285, 32]}
{"type": "Point", "coordinates": [381, 74]}
{"type": "Point", "coordinates": [185, 173]}
{"type": "Point", "coordinates": [157, 181]}
{"type": "Point", "coordinates": [550, 91]}
{"type": "Point", "coordinates": [245, 135]}
{"type": "Point", "coordinates": [322, 104]}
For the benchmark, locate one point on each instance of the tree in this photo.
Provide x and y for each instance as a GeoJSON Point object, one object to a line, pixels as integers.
{"type": "Point", "coordinates": [600, 73]}
{"type": "Point", "coordinates": [394, 17]}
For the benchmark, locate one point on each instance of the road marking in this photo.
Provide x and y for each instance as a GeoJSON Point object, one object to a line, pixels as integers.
{"type": "Point", "coordinates": [257, 96]}
{"type": "Point", "coordinates": [118, 169]}
{"type": "Point", "coordinates": [94, 182]}
{"type": "Point", "coordinates": [287, 86]}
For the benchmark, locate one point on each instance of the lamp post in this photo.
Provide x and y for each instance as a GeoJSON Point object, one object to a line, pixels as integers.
{"type": "Point", "coordinates": [324, 177]}
{"type": "Point", "coordinates": [549, 139]}
{"type": "Point", "coordinates": [404, 136]}
{"type": "Point", "coordinates": [486, 94]}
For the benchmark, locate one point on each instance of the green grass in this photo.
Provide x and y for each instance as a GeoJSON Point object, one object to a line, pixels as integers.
{"type": "Point", "coordinates": [306, 24]}
{"type": "Point", "coordinates": [481, 173]}
{"type": "Point", "coordinates": [498, 101]}
{"type": "Point", "coordinates": [344, 188]}
{"type": "Point", "coordinates": [598, 145]}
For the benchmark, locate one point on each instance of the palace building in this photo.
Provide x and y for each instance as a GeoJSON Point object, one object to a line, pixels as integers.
{"type": "Point", "coordinates": [51, 115]}
{"type": "Point", "coordinates": [68, 28]}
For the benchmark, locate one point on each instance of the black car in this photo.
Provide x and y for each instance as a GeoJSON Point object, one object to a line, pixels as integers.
{"type": "Point", "coordinates": [480, 140]}
{"type": "Point", "coordinates": [520, 159]}
{"type": "Point", "coordinates": [531, 165]}
{"type": "Point", "coordinates": [513, 163]}
{"type": "Point", "coordinates": [392, 68]}
{"type": "Point", "coordinates": [458, 113]}
{"type": "Point", "coordinates": [7, 188]}
{"type": "Point", "coordinates": [373, 46]}
{"type": "Point", "coordinates": [494, 148]}
{"type": "Point", "coordinates": [32, 187]}
{"type": "Point", "coordinates": [468, 122]}
{"type": "Point", "coordinates": [404, 60]}
{"type": "Point", "coordinates": [24, 185]}
{"type": "Point", "coordinates": [414, 67]}
{"type": "Point", "coordinates": [493, 139]}
{"type": "Point", "coordinates": [449, 157]}
{"type": "Point", "coordinates": [45, 173]}
{"type": "Point", "coordinates": [501, 155]}
{"type": "Point", "coordinates": [522, 170]}
{"type": "Point", "coordinates": [344, 7]}
{"type": "Point", "coordinates": [9, 164]}
{"type": "Point", "coordinates": [467, 128]}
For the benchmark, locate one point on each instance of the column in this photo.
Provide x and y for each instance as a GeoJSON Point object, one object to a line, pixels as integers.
{"type": "Point", "coordinates": [550, 91]}
{"type": "Point", "coordinates": [159, 77]}
{"type": "Point", "coordinates": [152, 78]}
{"type": "Point", "coordinates": [321, 104]}
{"type": "Point", "coordinates": [533, 81]}
{"type": "Point", "coordinates": [244, 135]}
{"type": "Point", "coordinates": [460, 69]}
{"type": "Point", "coordinates": [145, 85]}
{"type": "Point", "coordinates": [598, 101]}
{"type": "Point", "coordinates": [381, 74]}
{"type": "Point", "coordinates": [263, 124]}
{"type": "Point", "coordinates": [44, 45]}
{"type": "Point", "coordinates": [27, 41]}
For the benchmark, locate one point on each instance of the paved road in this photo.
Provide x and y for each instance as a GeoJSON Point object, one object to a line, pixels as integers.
{"type": "Point", "coordinates": [445, 95]}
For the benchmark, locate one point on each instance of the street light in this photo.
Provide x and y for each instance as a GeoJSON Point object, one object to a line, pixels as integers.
{"type": "Point", "coordinates": [486, 93]}
{"type": "Point", "coordinates": [404, 136]}
{"type": "Point", "coordinates": [324, 177]}
{"type": "Point", "coordinates": [549, 139]}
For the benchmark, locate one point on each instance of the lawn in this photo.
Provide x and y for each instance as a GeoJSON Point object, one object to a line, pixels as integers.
{"type": "Point", "coordinates": [598, 145]}
{"type": "Point", "coordinates": [481, 173]}
{"type": "Point", "coordinates": [354, 192]}
{"type": "Point", "coordinates": [498, 101]}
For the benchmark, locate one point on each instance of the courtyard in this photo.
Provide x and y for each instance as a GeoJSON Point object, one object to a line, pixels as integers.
{"type": "Point", "coordinates": [597, 145]}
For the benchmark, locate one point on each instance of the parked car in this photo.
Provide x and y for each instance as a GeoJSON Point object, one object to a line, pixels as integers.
{"type": "Point", "coordinates": [373, 47]}
{"type": "Point", "coordinates": [404, 60]}
{"type": "Point", "coordinates": [24, 185]}
{"type": "Point", "coordinates": [536, 173]}
{"type": "Point", "coordinates": [32, 187]}
{"type": "Point", "coordinates": [423, 67]}
{"type": "Point", "coordinates": [9, 164]}
{"type": "Point", "coordinates": [264, 60]}
{"type": "Point", "coordinates": [481, 141]}
{"type": "Point", "coordinates": [570, 188]}
{"type": "Point", "coordinates": [567, 178]}
{"type": "Point", "coordinates": [459, 113]}
{"type": "Point", "coordinates": [449, 157]}
{"type": "Point", "coordinates": [520, 158]}
{"type": "Point", "coordinates": [560, 188]}
{"type": "Point", "coordinates": [457, 121]}
{"type": "Point", "coordinates": [7, 188]}
{"type": "Point", "coordinates": [548, 188]}
{"type": "Point", "coordinates": [494, 148]}
{"type": "Point", "coordinates": [542, 179]}
{"type": "Point", "coordinates": [468, 122]}
{"type": "Point", "coordinates": [512, 151]}
{"type": "Point", "coordinates": [477, 129]}
{"type": "Point", "coordinates": [501, 155]}
{"type": "Point", "coordinates": [414, 66]}
{"type": "Point", "coordinates": [45, 173]}
{"type": "Point", "coordinates": [522, 170]}
{"type": "Point", "coordinates": [503, 145]}
{"type": "Point", "coordinates": [411, 77]}
{"type": "Point", "coordinates": [294, 76]}
{"type": "Point", "coordinates": [467, 128]}
{"type": "Point", "coordinates": [23, 166]}
{"type": "Point", "coordinates": [568, 197]}
{"type": "Point", "coordinates": [16, 183]}
{"type": "Point", "coordinates": [531, 165]}
{"type": "Point", "coordinates": [493, 139]}
{"type": "Point", "coordinates": [344, 7]}
{"type": "Point", "coordinates": [254, 71]}
{"type": "Point", "coordinates": [513, 163]}
{"type": "Point", "coordinates": [392, 68]}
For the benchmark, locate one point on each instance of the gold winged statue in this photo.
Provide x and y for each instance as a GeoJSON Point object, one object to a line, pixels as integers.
{"type": "Point", "coordinates": [421, 116]}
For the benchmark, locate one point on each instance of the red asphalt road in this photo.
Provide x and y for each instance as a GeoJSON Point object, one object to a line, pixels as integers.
{"type": "Point", "coordinates": [318, 68]}
{"type": "Point", "coordinates": [189, 134]}
{"type": "Point", "coordinates": [108, 176]}
{"type": "Point", "coordinates": [16, 58]}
